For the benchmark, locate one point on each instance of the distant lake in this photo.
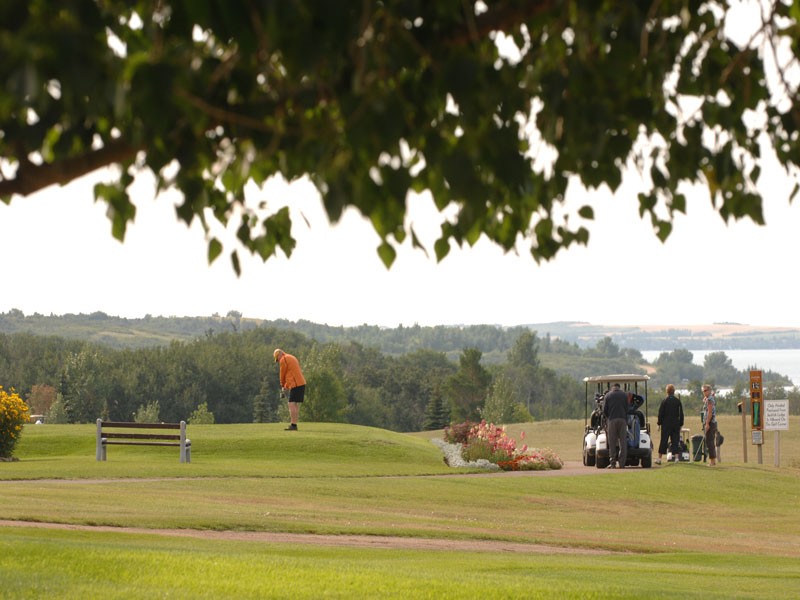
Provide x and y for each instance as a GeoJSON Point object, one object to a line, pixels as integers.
{"type": "Point", "coordinates": [785, 362]}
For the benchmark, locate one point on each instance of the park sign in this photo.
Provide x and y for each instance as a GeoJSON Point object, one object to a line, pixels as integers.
{"type": "Point", "coordinates": [756, 412]}
{"type": "Point", "coordinates": [776, 415]}
{"type": "Point", "coordinates": [776, 418]}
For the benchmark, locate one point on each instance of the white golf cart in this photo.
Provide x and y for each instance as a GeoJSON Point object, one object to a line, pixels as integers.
{"type": "Point", "coordinates": [595, 444]}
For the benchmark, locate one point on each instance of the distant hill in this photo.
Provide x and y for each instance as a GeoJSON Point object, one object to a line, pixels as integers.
{"type": "Point", "coordinates": [717, 336]}
{"type": "Point", "coordinates": [117, 332]}
{"type": "Point", "coordinates": [493, 340]}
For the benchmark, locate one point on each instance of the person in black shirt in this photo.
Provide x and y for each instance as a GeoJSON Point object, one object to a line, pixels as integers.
{"type": "Point", "coordinates": [615, 408]}
{"type": "Point", "coordinates": [670, 420]}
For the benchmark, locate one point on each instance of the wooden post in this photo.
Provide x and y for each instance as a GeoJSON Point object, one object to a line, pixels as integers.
{"type": "Point", "coordinates": [744, 429]}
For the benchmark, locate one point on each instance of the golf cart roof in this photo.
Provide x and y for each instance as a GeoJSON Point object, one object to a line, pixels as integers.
{"type": "Point", "coordinates": [620, 378]}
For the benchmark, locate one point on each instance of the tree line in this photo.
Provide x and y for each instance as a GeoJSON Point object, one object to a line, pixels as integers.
{"type": "Point", "coordinates": [230, 377]}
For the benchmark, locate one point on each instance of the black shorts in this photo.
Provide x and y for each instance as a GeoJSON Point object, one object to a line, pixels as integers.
{"type": "Point", "coordinates": [297, 394]}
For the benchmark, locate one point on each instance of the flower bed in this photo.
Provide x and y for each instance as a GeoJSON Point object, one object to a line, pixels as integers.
{"type": "Point", "coordinates": [483, 444]}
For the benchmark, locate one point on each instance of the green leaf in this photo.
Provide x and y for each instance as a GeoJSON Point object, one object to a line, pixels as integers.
{"type": "Point", "coordinates": [678, 204]}
{"type": "Point", "coordinates": [663, 229]}
{"type": "Point", "coordinates": [214, 250]}
{"type": "Point", "coordinates": [647, 203]}
{"type": "Point", "coordinates": [442, 248]}
{"type": "Point", "coordinates": [120, 208]}
{"type": "Point", "coordinates": [387, 254]}
{"type": "Point", "coordinates": [237, 268]}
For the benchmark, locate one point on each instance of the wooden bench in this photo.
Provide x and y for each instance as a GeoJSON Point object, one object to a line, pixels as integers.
{"type": "Point", "coordinates": [119, 433]}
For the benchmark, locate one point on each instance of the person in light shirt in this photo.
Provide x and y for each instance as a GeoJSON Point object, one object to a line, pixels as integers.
{"type": "Point", "coordinates": [710, 423]}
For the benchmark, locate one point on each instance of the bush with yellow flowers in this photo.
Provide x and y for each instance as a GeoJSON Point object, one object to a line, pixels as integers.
{"type": "Point", "coordinates": [13, 414]}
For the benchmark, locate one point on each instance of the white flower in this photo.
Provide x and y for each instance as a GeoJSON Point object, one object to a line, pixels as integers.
{"type": "Point", "coordinates": [452, 456]}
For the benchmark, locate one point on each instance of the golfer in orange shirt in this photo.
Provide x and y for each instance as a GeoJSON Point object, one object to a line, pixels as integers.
{"type": "Point", "coordinates": [293, 382]}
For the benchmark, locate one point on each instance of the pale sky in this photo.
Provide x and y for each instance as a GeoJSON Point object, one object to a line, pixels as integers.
{"type": "Point", "coordinates": [58, 257]}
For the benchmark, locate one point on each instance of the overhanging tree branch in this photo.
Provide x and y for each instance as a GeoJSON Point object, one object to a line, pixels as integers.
{"type": "Point", "coordinates": [31, 177]}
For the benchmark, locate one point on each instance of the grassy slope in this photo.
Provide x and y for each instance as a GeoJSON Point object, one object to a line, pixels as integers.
{"type": "Point", "coordinates": [244, 450]}
{"type": "Point", "coordinates": [341, 479]}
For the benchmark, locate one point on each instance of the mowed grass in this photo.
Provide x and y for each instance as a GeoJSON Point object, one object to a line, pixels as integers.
{"type": "Point", "coordinates": [249, 450]}
{"type": "Point", "coordinates": [677, 531]}
{"type": "Point", "coordinates": [68, 564]}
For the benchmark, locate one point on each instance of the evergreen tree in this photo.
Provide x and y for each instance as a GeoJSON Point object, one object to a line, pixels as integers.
{"type": "Point", "coordinates": [66, 401]}
{"type": "Point", "coordinates": [265, 403]}
{"type": "Point", "coordinates": [467, 388]}
{"type": "Point", "coordinates": [437, 414]}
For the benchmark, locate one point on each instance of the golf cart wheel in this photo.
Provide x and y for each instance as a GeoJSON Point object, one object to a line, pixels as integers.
{"type": "Point", "coordinates": [588, 459]}
{"type": "Point", "coordinates": [647, 461]}
{"type": "Point", "coordinates": [602, 463]}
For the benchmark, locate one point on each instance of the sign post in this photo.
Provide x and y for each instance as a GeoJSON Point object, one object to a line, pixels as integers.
{"type": "Point", "coordinates": [743, 409]}
{"type": "Point", "coordinates": [756, 412]}
{"type": "Point", "coordinates": [776, 418]}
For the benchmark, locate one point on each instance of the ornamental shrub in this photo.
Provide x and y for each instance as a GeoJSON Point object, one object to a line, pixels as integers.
{"type": "Point", "coordinates": [490, 442]}
{"type": "Point", "coordinates": [533, 460]}
{"type": "Point", "coordinates": [13, 415]}
{"type": "Point", "coordinates": [481, 449]}
{"type": "Point", "coordinates": [458, 433]}
{"type": "Point", "coordinates": [148, 414]}
{"type": "Point", "coordinates": [497, 439]}
{"type": "Point", "coordinates": [201, 415]}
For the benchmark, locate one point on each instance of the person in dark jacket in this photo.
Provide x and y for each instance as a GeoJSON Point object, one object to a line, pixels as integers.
{"type": "Point", "coordinates": [670, 420]}
{"type": "Point", "coordinates": [615, 408]}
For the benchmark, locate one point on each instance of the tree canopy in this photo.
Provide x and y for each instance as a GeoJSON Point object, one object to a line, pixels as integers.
{"type": "Point", "coordinates": [494, 107]}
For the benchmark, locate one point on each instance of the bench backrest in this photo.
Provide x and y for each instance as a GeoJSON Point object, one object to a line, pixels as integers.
{"type": "Point", "coordinates": [145, 434]}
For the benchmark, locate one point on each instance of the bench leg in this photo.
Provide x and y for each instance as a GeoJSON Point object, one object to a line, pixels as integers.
{"type": "Point", "coordinates": [186, 445]}
{"type": "Point", "coordinates": [186, 452]}
{"type": "Point", "coordinates": [99, 446]}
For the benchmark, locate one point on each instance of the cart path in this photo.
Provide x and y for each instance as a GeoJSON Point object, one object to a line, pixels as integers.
{"type": "Point", "coordinates": [380, 542]}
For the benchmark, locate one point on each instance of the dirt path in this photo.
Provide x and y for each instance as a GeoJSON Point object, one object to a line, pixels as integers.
{"type": "Point", "coordinates": [353, 541]}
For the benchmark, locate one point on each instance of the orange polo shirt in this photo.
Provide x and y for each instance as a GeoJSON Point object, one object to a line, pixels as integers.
{"type": "Point", "coordinates": [291, 374]}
